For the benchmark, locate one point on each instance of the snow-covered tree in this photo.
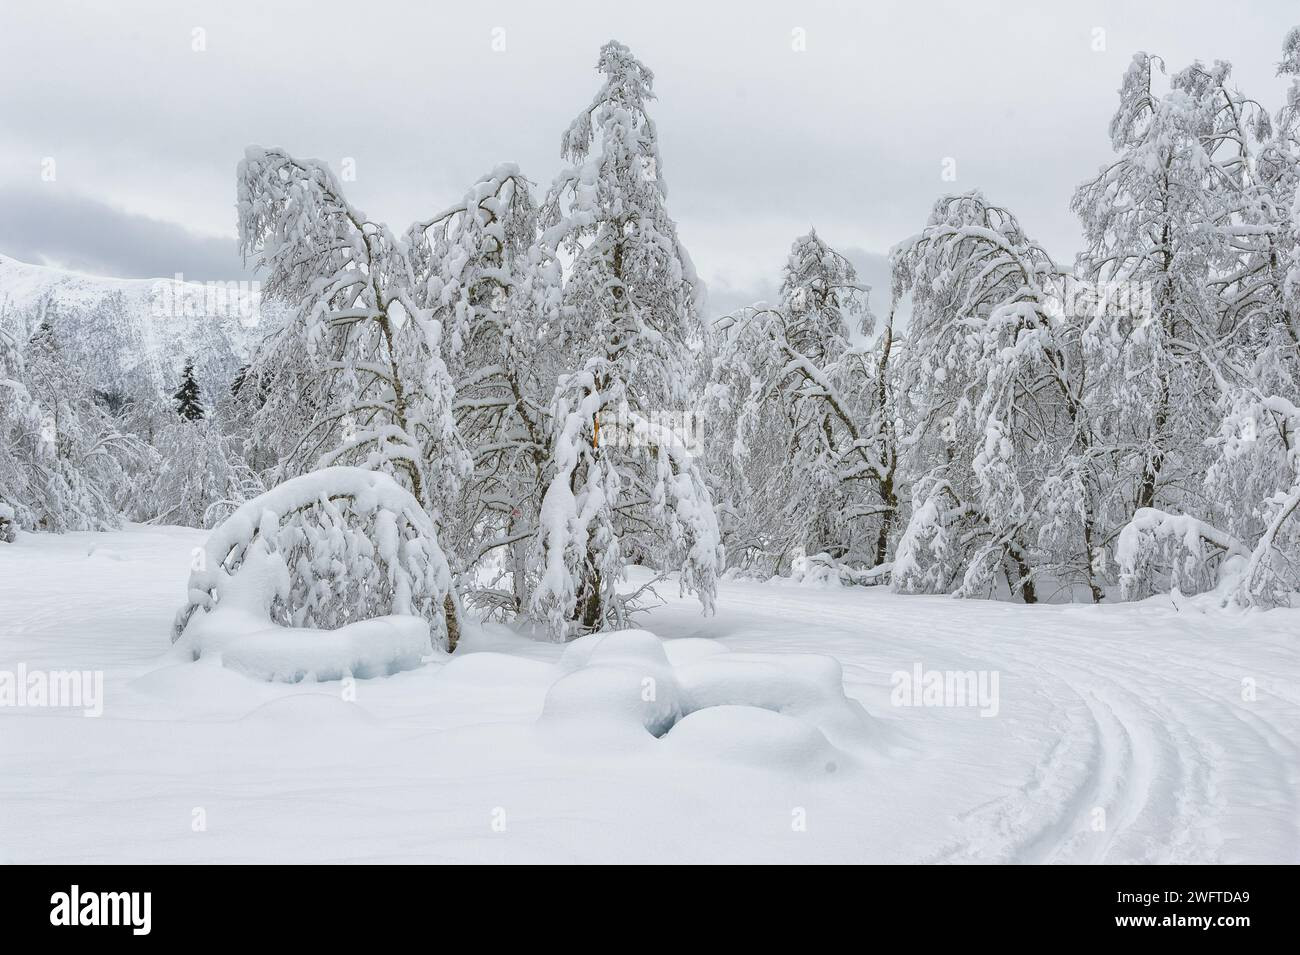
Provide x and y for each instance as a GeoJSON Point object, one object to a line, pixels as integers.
{"type": "Point", "coordinates": [189, 404]}
{"type": "Point", "coordinates": [198, 477]}
{"type": "Point", "coordinates": [332, 547]}
{"type": "Point", "coordinates": [64, 460]}
{"type": "Point", "coordinates": [806, 447]}
{"type": "Point", "coordinates": [356, 375]}
{"type": "Point", "coordinates": [630, 292]}
{"type": "Point", "coordinates": [1000, 435]}
{"type": "Point", "coordinates": [20, 421]}
{"type": "Point", "coordinates": [639, 491]}
{"type": "Point", "coordinates": [618, 483]}
{"type": "Point", "coordinates": [478, 264]}
{"type": "Point", "coordinates": [1240, 534]}
{"type": "Point", "coordinates": [1158, 219]}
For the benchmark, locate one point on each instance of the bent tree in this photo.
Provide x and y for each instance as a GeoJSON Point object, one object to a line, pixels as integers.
{"type": "Point", "coordinates": [993, 378]}
{"type": "Point", "coordinates": [356, 374]}
{"type": "Point", "coordinates": [804, 413]}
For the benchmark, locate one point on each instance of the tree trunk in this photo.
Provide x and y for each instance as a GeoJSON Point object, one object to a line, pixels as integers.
{"type": "Point", "coordinates": [887, 495]}
{"type": "Point", "coordinates": [517, 575]}
{"type": "Point", "coordinates": [887, 519]}
{"type": "Point", "coordinates": [453, 622]}
{"type": "Point", "coordinates": [1026, 587]}
{"type": "Point", "coordinates": [590, 609]}
{"type": "Point", "coordinates": [1146, 496]}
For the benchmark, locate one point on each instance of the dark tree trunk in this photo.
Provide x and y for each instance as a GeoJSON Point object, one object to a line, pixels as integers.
{"type": "Point", "coordinates": [453, 623]}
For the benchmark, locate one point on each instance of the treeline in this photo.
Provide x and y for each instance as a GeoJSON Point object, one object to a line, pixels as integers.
{"type": "Point", "coordinates": [533, 367]}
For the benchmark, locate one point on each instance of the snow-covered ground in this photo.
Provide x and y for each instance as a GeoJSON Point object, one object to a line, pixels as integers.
{"type": "Point", "coordinates": [1156, 732]}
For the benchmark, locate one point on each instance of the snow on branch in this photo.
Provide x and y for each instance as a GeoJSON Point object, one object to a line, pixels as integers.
{"type": "Point", "coordinates": [323, 550]}
{"type": "Point", "coordinates": [1187, 543]}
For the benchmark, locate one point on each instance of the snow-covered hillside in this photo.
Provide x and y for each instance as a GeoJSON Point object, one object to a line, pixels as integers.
{"type": "Point", "coordinates": [135, 334]}
{"type": "Point", "coordinates": [1149, 732]}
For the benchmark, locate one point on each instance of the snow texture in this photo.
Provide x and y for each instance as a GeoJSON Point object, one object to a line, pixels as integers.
{"type": "Point", "coordinates": [1136, 708]}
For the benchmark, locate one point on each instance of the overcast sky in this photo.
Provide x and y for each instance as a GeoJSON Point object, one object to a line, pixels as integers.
{"type": "Point", "coordinates": [760, 139]}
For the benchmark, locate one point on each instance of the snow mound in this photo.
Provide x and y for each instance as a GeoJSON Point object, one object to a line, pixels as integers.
{"type": "Point", "coordinates": [381, 646]}
{"type": "Point", "coordinates": [754, 737]}
{"type": "Point", "coordinates": [689, 649]}
{"type": "Point", "coordinates": [816, 570]}
{"type": "Point", "coordinates": [787, 712]}
{"type": "Point", "coordinates": [611, 699]}
{"type": "Point", "coordinates": [201, 689]}
{"type": "Point", "coordinates": [806, 686]}
{"type": "Point", "coordinates": [634, 647]}
{"type": "Point", "coordinates": [614, 682]}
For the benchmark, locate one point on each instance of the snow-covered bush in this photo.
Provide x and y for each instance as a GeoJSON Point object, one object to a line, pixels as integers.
{"type": "Point", "coordinates": [1260, 464]}
{"type": "Point", "coordinates": [1188, 550]}
{"type": "Point", "coordinates": [926, 559]}
{"type": "Point", "coordinates": [322, 551]}
{"type": "Point", "coordinates": [823, 570]}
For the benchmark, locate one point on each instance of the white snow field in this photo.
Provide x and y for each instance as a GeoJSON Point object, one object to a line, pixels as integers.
{"type": "Point", "coordinates": [1166, 731]}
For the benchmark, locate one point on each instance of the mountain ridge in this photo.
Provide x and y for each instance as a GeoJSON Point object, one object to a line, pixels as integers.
{"type": "Point", "coordinates": [133, 336]}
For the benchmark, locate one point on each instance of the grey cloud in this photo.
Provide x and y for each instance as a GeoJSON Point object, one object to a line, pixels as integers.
{"type": "Point", "coordinates": [851, 134]}
{"type": "Point", "coordinates": [46, 225]}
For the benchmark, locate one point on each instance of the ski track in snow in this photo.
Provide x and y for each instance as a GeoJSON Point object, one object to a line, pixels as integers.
{"type": "Point", "coordinates": [1140, 723]}
{"type": "Point", "coordinates": [1135, 710]}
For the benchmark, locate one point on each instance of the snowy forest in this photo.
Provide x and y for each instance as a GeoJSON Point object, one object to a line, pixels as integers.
{"type": "Point", "coordinates": [829, 507]}
{"type": "Point", "coordinates": [531, 378]}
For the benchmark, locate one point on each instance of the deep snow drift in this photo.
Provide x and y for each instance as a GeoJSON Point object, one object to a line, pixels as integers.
{"type": "Point", "coordinates": [1154, 732]}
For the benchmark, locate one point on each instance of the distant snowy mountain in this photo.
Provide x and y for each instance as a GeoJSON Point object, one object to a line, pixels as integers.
{"type": "Point", "coordinates": [135, 334]}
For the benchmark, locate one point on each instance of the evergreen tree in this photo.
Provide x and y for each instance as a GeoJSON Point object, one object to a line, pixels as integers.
{"type": "Point", "coordinates": [188, 404]}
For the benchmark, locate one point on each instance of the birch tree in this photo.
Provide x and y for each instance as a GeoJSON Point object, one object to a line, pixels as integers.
{"type": "Point", "coordinates": [621, 342]}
